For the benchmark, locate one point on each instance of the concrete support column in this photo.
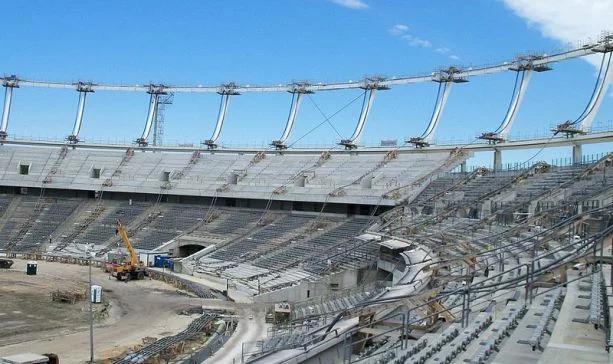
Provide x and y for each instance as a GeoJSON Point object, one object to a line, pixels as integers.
{"type": "Point", "coordinates": [577, 153]}
{"type": "Point", "coordinates": [497, 159]}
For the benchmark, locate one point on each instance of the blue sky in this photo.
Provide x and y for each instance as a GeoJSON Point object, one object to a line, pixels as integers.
{"type": "Point", "coordinates": [272, 42]}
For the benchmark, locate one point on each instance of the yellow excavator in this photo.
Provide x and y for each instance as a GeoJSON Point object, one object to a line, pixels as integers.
{"type": "Point", "coordinates": [133, 268]}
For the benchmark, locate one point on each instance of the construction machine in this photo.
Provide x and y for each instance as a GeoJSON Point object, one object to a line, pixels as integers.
{"type": "Point", "coordinates": [5, 263]}
{"type": "Point", "coordinates": [132, 268]}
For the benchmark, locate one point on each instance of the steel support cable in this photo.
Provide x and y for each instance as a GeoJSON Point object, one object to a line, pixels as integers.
{"type": "Point", "coordinates": [372, 214]}
{"type": "Point", "coordinates": [325, 116]}
{"type": "Point", "coordinates": [327, 119]}
{"type": "Point", "coordinates": [600, 80]}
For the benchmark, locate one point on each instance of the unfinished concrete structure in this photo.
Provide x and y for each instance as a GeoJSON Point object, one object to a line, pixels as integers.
{"type": "Point", "coordinates": [365, 254]}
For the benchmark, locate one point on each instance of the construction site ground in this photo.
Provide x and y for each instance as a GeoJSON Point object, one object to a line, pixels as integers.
{"type": "Point", "coordinates": [32, 322]}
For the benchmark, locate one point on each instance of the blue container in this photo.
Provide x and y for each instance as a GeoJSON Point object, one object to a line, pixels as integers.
{"type": "Point", "coordinates": [168, 263]}
{"type": "Point", "coordinates": [163, 261]}
{"type": "Point", "coordinates": [157, 261]}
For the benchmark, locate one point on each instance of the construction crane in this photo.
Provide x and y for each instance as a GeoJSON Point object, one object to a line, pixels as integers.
{"type": "Point", "coordinates": [133, 268]}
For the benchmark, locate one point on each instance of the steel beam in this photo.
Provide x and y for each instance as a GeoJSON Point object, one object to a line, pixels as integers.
{"type": "Point", "coordinates": [596, 101]}
{"type": "Point", "coordinates": [507, 123]}
{"type": "Point", "coordinates": [370, 87]}
{"type": "Point", "coordinates": [297, 93]}
{"type": "Point", "coordinates": [426, 137]}
{"type": "Point", "coordinates": [82, 89]}
{"type": "Point", "coordinates": [154, 91]}
{"type": "Point", "coordinates": [9, 84]}
{"type": "Point", "coordinates": [225, 91]}
{"type": "Point", "coordinates": [548, 142]}
{"type": "Point", "coordinates": [543, 60]}
{"type": "Point", "coordinates": [522, 79]}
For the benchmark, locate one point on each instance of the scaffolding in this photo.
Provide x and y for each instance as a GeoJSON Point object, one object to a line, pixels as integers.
{"type": "Point", "coordinates": [160, 119]}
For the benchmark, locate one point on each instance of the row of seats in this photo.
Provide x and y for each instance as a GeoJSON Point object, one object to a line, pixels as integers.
{"type": "Point", "coordinates": [247, 173]}
{"type": "Point", "coordinates": [333, 305]}
{"type": "Point", "coordinates": [262, 240]}
{"type": "Point", "coordinates": [169, 222]}
{"type": "Point", "coordinates": [320, 247]}
{"type": "Point", "coordinates": [497, 333]}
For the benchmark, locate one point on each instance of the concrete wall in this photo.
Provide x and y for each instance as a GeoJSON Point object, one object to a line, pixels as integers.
{"type": "Point", "coordinates": [305, 290]}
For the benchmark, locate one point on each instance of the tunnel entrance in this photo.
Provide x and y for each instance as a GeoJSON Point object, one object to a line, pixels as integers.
{"type": "Point", "coordinates": [189, 249]}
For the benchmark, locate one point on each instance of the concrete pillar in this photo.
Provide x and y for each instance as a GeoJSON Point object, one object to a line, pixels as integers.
{"type": "Point", "coordinates": [366, 182]}
{"type": "Point", "coordinates": [232, 178]}
{"type": "Point", "coordinates": [577, 154]}
{"type": "Point", "coordinates": [497, 159]}
{"type": "Point", "coordinates": [300, 181]}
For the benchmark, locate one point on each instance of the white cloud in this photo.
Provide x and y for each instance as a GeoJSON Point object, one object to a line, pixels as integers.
{"type": "Point", "coordinates": [568, 21]}
{"type": "Point", "coordinates": [351, 4]}
{"type": "Point", "coordinates": [454, 57]}
{"type": "Point", "coordinates": [443, 50]}
{"type": "Point", "coordinates": [416, 41]}
{"type": "Point", "coordinates": [399, 29]}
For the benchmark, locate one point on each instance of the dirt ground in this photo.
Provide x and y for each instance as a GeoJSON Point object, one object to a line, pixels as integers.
{"type": "Point", "coordinates": [31, 322]}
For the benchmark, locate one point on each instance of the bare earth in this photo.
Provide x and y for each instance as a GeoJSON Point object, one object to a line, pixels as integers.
{"type": "Point", "coordinates": [31, 322]}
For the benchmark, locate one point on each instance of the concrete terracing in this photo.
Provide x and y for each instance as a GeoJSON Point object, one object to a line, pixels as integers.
{"type": "Point", "coordinates": [308, 176]}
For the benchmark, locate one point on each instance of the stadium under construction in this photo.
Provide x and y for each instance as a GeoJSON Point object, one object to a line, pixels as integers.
{"type": "Point", "coordinates": [347, 254]}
